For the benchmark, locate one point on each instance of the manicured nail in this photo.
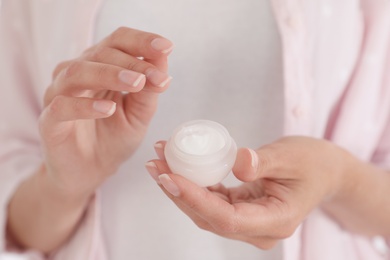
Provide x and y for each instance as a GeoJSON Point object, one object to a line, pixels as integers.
{"type": "Point", "coordinates": [162, 45]}
{"type": "Point", "coordinates": [131, 78]}
{"type": "Point", "coordinates": [254, 158]}
{"type": "Point", "coordinates": [104, 106]}
{"type": "Point", "coordinates": [158, 146]}
{"type": "Point", "coordinates": [169, 185]}
{"type": "Point", "coordinates": [158, 78]}
{"type": "Point", "coordinates": [165, 82]}
{"type": "Point", "coordinates": [153, 171]}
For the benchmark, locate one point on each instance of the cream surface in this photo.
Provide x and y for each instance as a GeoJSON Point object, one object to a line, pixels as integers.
{"type": "Point", "coordinates": [199, 139]}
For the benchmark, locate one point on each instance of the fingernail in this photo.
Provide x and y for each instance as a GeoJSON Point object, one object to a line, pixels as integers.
{"type": "Point", "coordinates": [158, 146]}
{"type": "Point", "coordinates": [104, 106]}
{"type": "Point", "coordinates": [131, 78]}
{"type": "Point", "coordinates": [158, 78]}
{"type": "Point", "coordinates": [162, 45]}
{"type": "Point", "coordinates": [254, 159]}
{"type": "Point", "coordinates": [169, 185]}
{"type": "Point", "coordinates": [153, 171]}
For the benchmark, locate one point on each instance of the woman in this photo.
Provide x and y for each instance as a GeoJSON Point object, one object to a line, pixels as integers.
{"type": "Point", "coordinates": [228, 67]}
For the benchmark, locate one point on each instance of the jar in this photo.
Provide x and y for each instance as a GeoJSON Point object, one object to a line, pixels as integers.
{"type": "Point", "coordinates": [202, 151]}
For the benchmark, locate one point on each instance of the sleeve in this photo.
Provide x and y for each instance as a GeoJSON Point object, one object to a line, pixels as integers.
{"type": "Point", "coordinates": [20, 155]}
{"type": "Point", "coordinates": [381, 156]}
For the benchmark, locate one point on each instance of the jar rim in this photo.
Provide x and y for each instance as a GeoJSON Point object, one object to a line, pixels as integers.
{"type": "Point", "coordinates": [201, 157]}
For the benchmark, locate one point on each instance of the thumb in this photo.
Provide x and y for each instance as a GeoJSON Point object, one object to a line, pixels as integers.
{"type": "Point", "coordinates": [246, 165]}
{"type": "Point", "coordinates": [251, 165]}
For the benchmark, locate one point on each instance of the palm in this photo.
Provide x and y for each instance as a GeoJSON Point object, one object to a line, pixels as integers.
{"type": "Point", "coordinates": [265, 193]}
{"type": "Point", "coordinates": [102, 145]}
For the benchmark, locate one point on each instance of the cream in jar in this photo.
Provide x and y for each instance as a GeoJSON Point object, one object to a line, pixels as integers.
{"type": "Point", "coordinates": [201, 151]}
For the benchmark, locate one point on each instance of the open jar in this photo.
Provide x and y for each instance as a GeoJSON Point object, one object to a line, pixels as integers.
{"type": "Point", "coordinates": [201, 151]}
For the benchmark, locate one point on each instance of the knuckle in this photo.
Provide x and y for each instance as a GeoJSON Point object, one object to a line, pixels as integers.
{"type": "Point", "coordinates": [72, 69]}
{"type": "Point", "coordinates": [99, 54]}
{"type": "Point", "coordinates": [60, 66]}
{"type": "Point", "coordinates": [118, 34]}
{"type": "Point", "coordinates": [272, 157]}
{"type": "Point", "coordinates": [266, 162]}
{"type": "Point", "coordinates": [49, 93]}
{"type": "Point", "coordinates": [77, 105]}
{"type": "Point", "coordinates": [102, 72]}
{"type": "Point", "coordinates": [138, 65]}
{"type": "Point", "coordinates": [55, 106]}
{"type": "Point", "coordinates": [132, 65]}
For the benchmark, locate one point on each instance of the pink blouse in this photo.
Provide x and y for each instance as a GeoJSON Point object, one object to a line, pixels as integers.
{"type": "Point", "coordinates": [340, 46]}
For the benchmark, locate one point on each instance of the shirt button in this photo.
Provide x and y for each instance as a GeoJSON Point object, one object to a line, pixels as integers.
{"type": "Point", "coordinates": [298, 112]}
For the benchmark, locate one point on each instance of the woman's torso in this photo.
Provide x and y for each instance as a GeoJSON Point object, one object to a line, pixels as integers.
{"type": "Point", "coordinates": [227, 67]}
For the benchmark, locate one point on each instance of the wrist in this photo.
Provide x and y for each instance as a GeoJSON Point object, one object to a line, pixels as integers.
{"type": "Point", "coordinates": [345, 180]}
{"type": "Point", "coordinates": [346, 176]}
{"type": "Point", "coordinates": [41, 216]}
{"type": "Point", "coordinates": [55, 195]}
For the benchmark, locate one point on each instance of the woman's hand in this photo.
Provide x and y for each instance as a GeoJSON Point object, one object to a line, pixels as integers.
{"type": "Point", "coordinates": [99, 106]}
{"type": "Point", "coordinates": [283, 182]}
{"type": "Point", "coordinates": [96, 112]}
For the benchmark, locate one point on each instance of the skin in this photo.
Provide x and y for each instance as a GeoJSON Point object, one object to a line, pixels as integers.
{"type": "Point", "coordinates": [82, 145]}
{"type": "Point", "coordinates": [282, 183]}
{"type": "Point", "coordinates": [97, 110]}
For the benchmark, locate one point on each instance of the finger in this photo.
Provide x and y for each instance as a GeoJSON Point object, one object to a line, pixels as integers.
{"type": "Point", "coordinates": [251, 165]}
{"type": "Point", "coordinates": [63, 108]}
{"type": "Point", "coordinates": [156, 75]}
{"type": "Point", "coordinates": [212, 212]}
{"type": "Point", "coordinates": [198, 221]}
{"type": "Point", "coordinates": [246, 165]}
{"type": "Point", "coordinates": [267, 216]}
{"type": "Point", "coordinates": [79, 76]}
{"type": "Point", "coordinates": [156, 168]}
{"type": "Point", "coordinates": [221, 191]}
{"type": "Point", "coordinates": [142, 105]}
{"type": "Point", "coordinates": [216, 211]}
{"type": "Point", "coordinates": [60, 67]}
{"type": "Point", "coordinates": [263, 242]}
{"type": "Point", "coordinates": [159, 148]}
{"type": "Point", "coordinates": [56, 120]}
{"type": "Point", "coordinates": [138, 43]}
{"type": "Point", "coordinates": [251, 225]}
{"type": "Point", "coordinates": [161, 64]}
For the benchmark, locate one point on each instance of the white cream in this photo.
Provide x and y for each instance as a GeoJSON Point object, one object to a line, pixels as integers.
{"type": "Point", "coordinates": [199, 139]}
{"type": "Point", "coordinates": [201, 151]}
